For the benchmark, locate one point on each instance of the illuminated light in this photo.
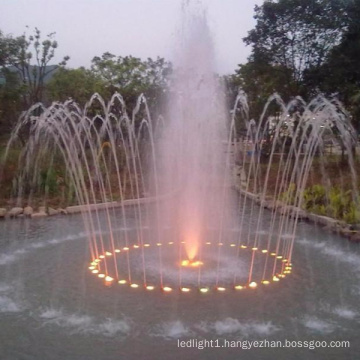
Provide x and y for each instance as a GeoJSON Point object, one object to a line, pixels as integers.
{"type": "Point", "coordinates": [253, 285]}
{"type": "Point", "coordinates": [185, 289]}
{"type": "Point", "coordinates": [275, 278]}
{"type": "Point", "coordinates": [284, 260]}
{"type": "Point", "coordinates": [117, 250]}
{"type": "Point", "coordinates": [102, 256]}
{"type": "Point", "coordinates": [146, 245]}
{"type": "Point", "coordinates": [122, 282]}
{"type": "Point", "coordinates": [171, 243]}
{"type": "Point", "coordinates": [183, 242]}
{"type": "Point", "coordinates": [136, 246]}
{"type": "Point", "coordinates": [185, 263]}
{"type": "Point", "coordinates": [220, 288]}
{"type": "Point", "coordinates": [232, 245]}
{"type": "Point", "coordinates": [95, 271]}
{"type": "Point", "coordinates": [91, 267]}
{"type": "Point", "coordinates": [101, 276]}
{"type": "Point", "coordinates": [125, 248]}
{"type": "Point", "coordinates": [254, 248]}
{"type": "Point", "coordinates": [221, 244]}
{"type": "Point", "coordinates": [264, 251]}
{"type": "Point", "coordinates": [288, 267]}
{"type": "Point", "coordinates": [204, 290]}
{"type": "Point", "coordinates": [266, 282]}
{"type": "Point", "coordinates": [279, 257]}
{"type": "Point", "coordinates": [208, 243]}
{"type": "Point", "coordinates": [243, 246]}
{"type": "Point", "coordinates": [109, 279]}
{"type": "Point", "coordinates": [134, 286]}
{"type": "Point", "coordinates": [287, 272]}
{"type": "Point", "coordinates": [108, 253]}
{"type": "Point", "coordinates": [273, 254]}
{"type": "Point", "coordinates": [150, 287]}
{"type": "Point", "coordinates": [281, 275]}
{"type": "Point", "coordinates": [96, 261]}
{"type": "Point", "coordinates": [167, 289]}
{"type": "Point", "coordinates": [192, 263]}
{"type": "Point", "coordinates": [158, 244]}
{"type": "Point", "coordinates": [239, 287]}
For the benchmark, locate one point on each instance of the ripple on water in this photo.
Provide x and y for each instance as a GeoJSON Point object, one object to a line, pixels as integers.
{"type": "Point", "coordinates": [317, 325]}
{"type": "Point", "coordinates": [345, 313]}
{"type": "Point", "coordinates": [230, 326]}
{"type": "Point", "coordinates": [8, 306]}
{"type": "Point", "coordinates": [85, 323]}
{"type": "Point", "coordinates": [171, 330]}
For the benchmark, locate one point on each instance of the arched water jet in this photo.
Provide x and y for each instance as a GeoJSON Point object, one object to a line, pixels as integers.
{"type": "Point", "coordinates": [186, 175]}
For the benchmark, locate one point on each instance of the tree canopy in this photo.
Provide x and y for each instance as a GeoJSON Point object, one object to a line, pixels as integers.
{"type": "Point", "coordinates": [302, 47]}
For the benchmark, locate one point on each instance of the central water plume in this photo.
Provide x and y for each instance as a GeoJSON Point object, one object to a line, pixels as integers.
{"type": "Point", "coordinates": [193, 160]}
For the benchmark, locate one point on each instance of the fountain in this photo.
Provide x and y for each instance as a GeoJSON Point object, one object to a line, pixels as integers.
{"type": "Point", "coordinates": [189, 227]}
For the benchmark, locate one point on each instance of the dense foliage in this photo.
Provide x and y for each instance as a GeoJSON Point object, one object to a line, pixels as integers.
{"type": "Point", "coordinates": [303, 47]}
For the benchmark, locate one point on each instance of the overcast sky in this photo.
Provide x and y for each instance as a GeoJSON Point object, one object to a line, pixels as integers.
{"type": "Point", "coordinates": [142, 28]}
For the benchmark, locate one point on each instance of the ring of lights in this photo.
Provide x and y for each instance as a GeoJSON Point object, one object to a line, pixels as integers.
{"type": "Point", "coordinates": [95, 268]}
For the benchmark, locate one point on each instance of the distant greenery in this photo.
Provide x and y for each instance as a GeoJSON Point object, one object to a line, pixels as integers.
{"type": "Point", "coordinates": [27, 77]}
{"type": "Point", "coordinates": [333, 202]}
{"type": "Point", "coordinates": [302, 47]}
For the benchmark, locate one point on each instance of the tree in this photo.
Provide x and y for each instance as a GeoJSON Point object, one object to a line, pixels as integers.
{"type": "Point", "coordinates": [29, 57]}
{"type": "Point", "coordinates": [292, 36]}
{"type": "Point", "coordinates": [340, 74]}
{"type": "Point", "coordinates": [78, 84]}
{"type": "Point", "coordinates": [260, 80]}
{"type": "Point", "coordinates": [131, 77]}
{"type": "Point", "coordinates": [11, 93]}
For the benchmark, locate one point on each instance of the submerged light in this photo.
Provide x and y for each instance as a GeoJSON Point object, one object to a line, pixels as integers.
{"type": "Point", "coordinates": [191, 263]}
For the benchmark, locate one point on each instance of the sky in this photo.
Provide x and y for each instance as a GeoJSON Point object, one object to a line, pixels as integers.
{"type": "Point", "coordinates": [142, 28]}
